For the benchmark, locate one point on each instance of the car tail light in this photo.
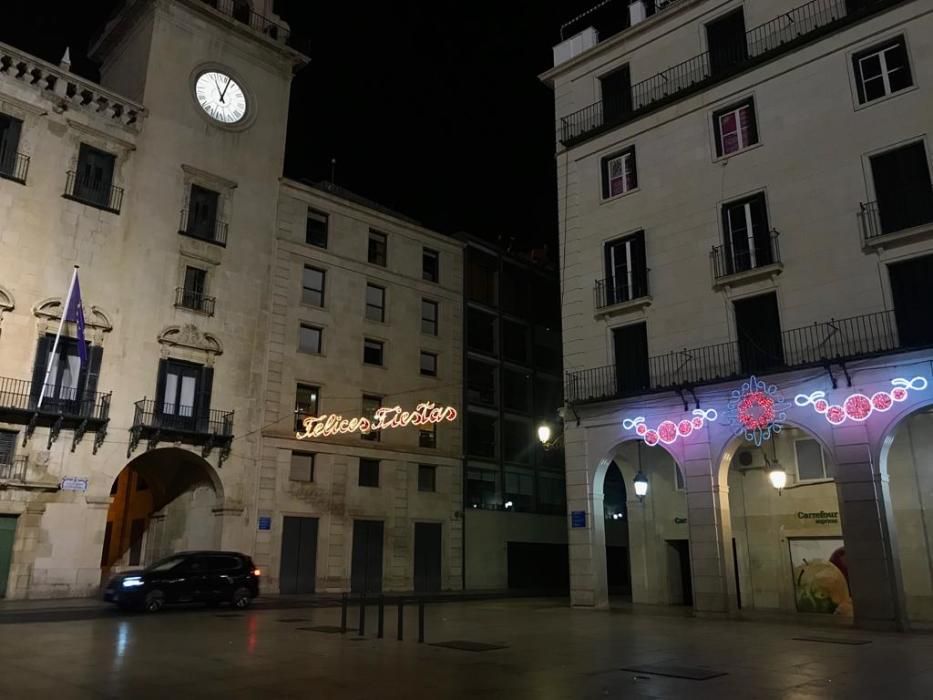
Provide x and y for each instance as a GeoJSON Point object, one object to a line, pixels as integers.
{"type": "Point", "coordinates": [256, 572]}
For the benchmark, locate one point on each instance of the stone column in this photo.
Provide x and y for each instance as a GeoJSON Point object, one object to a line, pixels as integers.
{"type": "Point", "coordinates": [587, 545]}
{"type": "Point", "coordinates": [868, 532]}
{"type": "Point", "coordinates": [710, 529]}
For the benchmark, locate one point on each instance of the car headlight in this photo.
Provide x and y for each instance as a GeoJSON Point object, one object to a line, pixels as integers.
{"type": "Point", "coordinates": [132, 581]}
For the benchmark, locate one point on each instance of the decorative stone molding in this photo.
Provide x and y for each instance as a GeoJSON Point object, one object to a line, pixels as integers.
{"type": "Point", "coordinates": [49, 314]}
{"type": "Point", "coordinates": [190, 337]}
{"type": "Point", "coordinates": [6, 301]}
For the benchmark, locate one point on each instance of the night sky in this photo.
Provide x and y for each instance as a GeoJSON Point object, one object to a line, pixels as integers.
{"type": "Point", "coordinates": [430, 108]}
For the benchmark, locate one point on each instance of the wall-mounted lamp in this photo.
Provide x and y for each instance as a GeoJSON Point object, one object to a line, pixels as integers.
{"type": "Point", "coordinates": [641, 485]}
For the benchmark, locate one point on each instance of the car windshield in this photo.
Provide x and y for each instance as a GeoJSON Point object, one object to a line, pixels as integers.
{"type": "Point", "coordinates": [166, 564]}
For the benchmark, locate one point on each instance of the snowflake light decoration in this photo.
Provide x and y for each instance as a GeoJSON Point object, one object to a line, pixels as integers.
{"type": "Point", "coordinates": [757, 410]}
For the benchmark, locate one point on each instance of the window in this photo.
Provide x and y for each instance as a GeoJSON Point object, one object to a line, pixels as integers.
{"type": "Point", "coordinates": [482, 487]}
{"type": "Point", "coordinates": [735, 128]}
{"type": "Point", "coordinates": [94, 177]}
{"type": "Point", "coordinates": [481, 331]}
{"type": "Point", "coordinates": [306, 403]}
{"type": "Point", "coordinates": [312, 286]}
{"type": "Point", "coordinates": [427, 478]}
{"type": "Point", "coordinates": [430, 265]}
{"type": "Point", "coordinates": [428, 364]}
{"type": "Point", "coordinates": [517, 441]}
{"type": "Point", "coordinates": [911, 288]}
{"type": "Point", "coordinates": [746, 236]}
{"type": "Point", "coordinates": [519, 489]}
{"type": "Point", "coordinates": [369, 472]}
{"type": "Point", "coordinates": [428, 317]}
{"type": "Point", "coordinates": [758, 333]}
{"type": "Point", "coordinates": [726, 42]}
{"type": "Point", "coordinates": [481, 382]}
{"type": "Point", "coordinates": [811, 462]}
{"type": "Point", "coordinates": [626, 269]}
{"type": "Point", "coordinates": [7, 447]}
{"type": "Point", "coordinates": [10, 130]}
{"type": "Point", "coordinates": [616, 95]}
{"type": "Point", "coordinates": [482, 272]}
{"type": "Point", "coordinates": [679, 483]}
{"type": "Point", "coordinates": [202, 213]}
{"type": "Point", "coordinates": [183, 394]}
{"type": "Point", "coordinates": [619, 174]}
{"type": "Point", "coordinates": [515, 341]}
{"type": "Point", "coordinates": [552, 493]}
{"type": "Point", "coordinates": [427, 436]}
{"type": "Point", "coordinates": [481, 435]}
{"type": "Point", "coordinates": [192, 295]}
{"type": "Point", "coordinates": [630, 346]}
{"type": "Point", "coordinates": [517, 290]}
{"type": "Point", "coordinates": [371, 404]}
{"type": "Point", "coordinates": [309, 339]}
{"type": "Point", "coordinates": [316, 228]}
{"type": "Point", "coordinates": [302, 467]}
{"type": "Point", "coordinates": [902, 187]}
{"type": "Point", "coordinates": [882, 70]}
{"type": "Point", "coordinates": [375, 303]}
{"type": "Point", "coordinates": [516, 390]}
{"type": "Point", "coordinates": [548, 352]}
{"type": "Point", "coordinates": [372, 352]}
{"type": "Point", "coordinates": [378, 244]}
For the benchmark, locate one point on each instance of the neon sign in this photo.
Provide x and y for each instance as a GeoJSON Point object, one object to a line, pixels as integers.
{"type": "Point", "coordinates": [857, 407]}
{"type": "Point", "coordinates": [668, 431]}
{"type": "Point", "coordinates": [331, 424]}
{"type": "Point", "coordinates": [758, 410]}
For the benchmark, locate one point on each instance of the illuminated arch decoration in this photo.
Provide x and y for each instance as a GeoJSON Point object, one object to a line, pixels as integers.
{"type": "Point", "coordinates": [858, 407]}
{"type": "Point", "coordinates": [668, 431]}
{"type": "Point", "coordinates": [757, 410]}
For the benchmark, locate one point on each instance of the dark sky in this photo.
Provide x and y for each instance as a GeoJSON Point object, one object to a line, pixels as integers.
{"type": "Point", "coordinates": [432, 108]}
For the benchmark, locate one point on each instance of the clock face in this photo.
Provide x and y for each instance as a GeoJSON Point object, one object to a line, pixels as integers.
{"type": "Point", "coordinates": [221, 97]}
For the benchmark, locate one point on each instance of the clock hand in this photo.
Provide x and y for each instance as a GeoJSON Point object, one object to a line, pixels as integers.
{"type": "Point", "coordinates": [225, 89]}
{"type": "Point", "coordinates": [219, 93]}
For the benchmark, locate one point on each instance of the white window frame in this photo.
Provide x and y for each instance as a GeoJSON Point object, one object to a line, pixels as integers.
{"type": "Point", "coordinates": [750, 235]}
{"type": "Point", "coordinates": [629, 281]}
{"type": "Point", "coordinates": [825, 477]}
{"type": "Point", "coordinates": [738, 129]}
{"type": "Point", "coordinates": [625, 159]}
{"type": "Point", "coordinates": [880, 53]}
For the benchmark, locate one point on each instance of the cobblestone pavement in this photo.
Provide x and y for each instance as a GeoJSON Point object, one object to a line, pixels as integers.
{"type": "Point", "coordinates": [550, 653]}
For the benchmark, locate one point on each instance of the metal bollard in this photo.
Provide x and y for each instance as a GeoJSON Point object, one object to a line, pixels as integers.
{"type": "Point", "coordinates": [380, 625]}
{"type": "Point", "coordinates": [343, 613]}
{"type": "Point", "coordinates": [362, 614]}
{"type": "Point", "coordinates": [421, 621]}
{"type": "Point", "coordinates": [401, 618]}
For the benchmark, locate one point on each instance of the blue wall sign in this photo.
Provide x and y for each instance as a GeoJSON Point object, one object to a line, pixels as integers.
{"type": "Point", "coordinates": [265, 522]}
{"type": "Point", "coordinates": [578, 518]}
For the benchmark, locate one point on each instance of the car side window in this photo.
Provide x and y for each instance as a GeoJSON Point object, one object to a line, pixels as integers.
{"type": "Point", "coordinates": [195, 565]}
{"type": "Point", "coordinates": [220, 563]}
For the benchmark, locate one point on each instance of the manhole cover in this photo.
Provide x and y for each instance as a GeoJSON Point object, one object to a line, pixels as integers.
{"type": "Point", "coordinates": [833, 640]}
{"type": "Point", "coordinates": [686, 672]}
{"type": "Point", "coordinates": [328, 629]}
{"type": "Point", "coordinates": [468, 646]}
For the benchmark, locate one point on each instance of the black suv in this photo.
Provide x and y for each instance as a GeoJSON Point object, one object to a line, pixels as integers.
{"type": "Point", "coordinates": [187, 577]}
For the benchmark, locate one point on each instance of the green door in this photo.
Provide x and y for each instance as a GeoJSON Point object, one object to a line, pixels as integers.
{"type": "Point", "coordinates": [7, 533]}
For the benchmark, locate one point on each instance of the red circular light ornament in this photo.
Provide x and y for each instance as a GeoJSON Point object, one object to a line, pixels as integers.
{"type": "Point", "coordinates": [835, 415]}
{"type": "Point", "coordinates": [667, 431]}
{"type": "Point", "coordinates": [755, 410]}
{"type": "Point", "coordinates": [882, 401]}
{"type": "Point", "coordinates": [697, 423]}
{"type": "Point", "coordinates": [641, 429]}
{"type": "Point", "coordinates": [821, 405]}
{"type": "Point", "coordinates": [651, 438]}
{"type": "Point", "coordinates": [899, 393]}
{"type": "Point", "coordinates": [858, 407]}
{"type": "Point", "coordinates": [684, 428]}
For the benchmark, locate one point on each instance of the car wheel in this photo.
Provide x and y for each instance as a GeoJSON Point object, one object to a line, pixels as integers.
{"type": "Point", "coordinates": [241, 598]}
{"type": "Point", "coordinates": [154, 601]}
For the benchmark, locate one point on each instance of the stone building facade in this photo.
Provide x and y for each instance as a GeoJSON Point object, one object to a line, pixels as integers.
{"type": "Point", "coordinates": [747, 212]}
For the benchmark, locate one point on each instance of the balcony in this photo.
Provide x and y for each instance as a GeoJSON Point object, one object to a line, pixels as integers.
{"type": "Point", "coordinates": [15, 471]}
{"type": "Point", "coordinates": [208, 230]}
{"type": "Point", "coordinates": [94, 193]}
{"type": "Point", "coordinates": [207, 429]}
{"type": "Point", "coordinates": [765, 42]}
{"type": "Point", "coordinates": [914, 217]}
{"type": "Point", "coordinates": [14, 166]}
{"type": "Point", "coordinates": [69, 410]}
{"type": "Point", "coordinates": [611, 297]}
{"type": "Point", "coordinates": [194, 301]}
{"type": "Point", "coordinates": [836, 340]}
{"type": "Point", "coordinates": [241, 11]}
{"type": "Point", "coordinates": [753, 260]}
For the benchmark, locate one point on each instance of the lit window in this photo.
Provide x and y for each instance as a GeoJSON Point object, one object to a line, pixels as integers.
{"type": "Point", "coordinates": [619, 173]}
{"type": "Point", "coordinates": [736, 128]}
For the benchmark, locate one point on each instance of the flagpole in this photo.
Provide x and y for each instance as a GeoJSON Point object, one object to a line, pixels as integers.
{"type": "Point", "coordinates": [61, 326]}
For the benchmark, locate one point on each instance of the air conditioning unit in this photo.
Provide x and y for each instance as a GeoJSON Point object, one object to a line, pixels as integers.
{"type": "Point", "coordinates": [575, 45]}
{"type": "Point", "coordinates": [746, 459]}
{"type": "Point", "coordinates": [637, 12]}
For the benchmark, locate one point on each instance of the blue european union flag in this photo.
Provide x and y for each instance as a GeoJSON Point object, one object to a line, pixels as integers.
{"type": "Point", "coordinates": [75, 314]}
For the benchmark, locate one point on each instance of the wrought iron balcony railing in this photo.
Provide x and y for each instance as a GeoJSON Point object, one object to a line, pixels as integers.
{"type": "Point", "coordinates": [14, 166]}
{"type": "Point", "coordinates": [157, 422]}
{"type": "Point", "coordinates": [912, 212]}
{"type": "Point", "coordinates": [241, 11]}
{"type": "Point", "coordinates": [61, 407]}
{"type": "Point", "coordinates": [609, 292]}
{"type": "Point", "coordinates": [94, 193]}
{"type": "Point", "coordinates": [195, 301]}
{"type": "Point", "coordinates": [836, 340]}
{"type": "Point", "coordinates": [728, 260]}
{"type": "Point", "coordinates": [209, 230]}
{"type": "Point", "coordinates": [799, 26]}
{"type": "Point", "coordinates": [15, 470]}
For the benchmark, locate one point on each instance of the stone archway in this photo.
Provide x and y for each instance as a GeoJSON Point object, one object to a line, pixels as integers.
{"type": "Point", "coordinates": [163, 501]}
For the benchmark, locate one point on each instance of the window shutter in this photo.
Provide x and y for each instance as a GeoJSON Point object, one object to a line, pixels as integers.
{"type": "Point", "coordinates": [9, 142]}
{"type": "Point", "coordinates": [760, 231]}
{"type": "Point", "coordinates": [639, 266]}
{"type": "Point", "coordinates": [727, 241]}
{"type": "Point", "coordinates": [859, 86]}
{"type": "Point", "coordinates": [43, 347]}
{"type": "Point", "coordinates": [717, 133]}
{"type": "Point", "coordinates": [95, 355]}
{"type": "Point", "coordinates": [205, 385]}
{"type": "Point", "coordinates": [752, 121]}
{"type": "Point", "coordinates": [604, 166]}
{"type": "Point", "coordinates": [634, 173]}
{"type": "Point", "coordinates": [160, 386]}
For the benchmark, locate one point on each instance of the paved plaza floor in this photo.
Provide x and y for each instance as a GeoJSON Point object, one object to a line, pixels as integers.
{"type": "Point", "coordinates": [550, 652]}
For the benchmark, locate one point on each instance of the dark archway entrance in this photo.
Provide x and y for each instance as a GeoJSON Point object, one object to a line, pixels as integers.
{"type": "Point", "coordinates": [615, 510]}
{"type": "Point", "coordinates": [162, 502]}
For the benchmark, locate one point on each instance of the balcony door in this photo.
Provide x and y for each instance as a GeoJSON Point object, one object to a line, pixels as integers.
{"type": "Point", "coordinates": [903, 188]}
{"type": "Point", "coordinates": [202, 213]}
{"type": "Point", "coordinates": [746, 236]}
{"type": "Point", "coordinates": [94, 176]}
{"type": "Point", "coordinates": [626, 269]}
{"type": "Point", "coordinates": [616, 93]}
{"type": "Point", "coordinates": [71, 384]}
{"type": "Point", "coordinates": [183, 395]}
{"type": "Point", "coordinates": [725, 39]}
{"type": "Point", "coordinates": [631, 358]}
{"type": "Point", "coordinates": [758, 329]}
{"type": "Point", "coordinates": [912, 290]}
